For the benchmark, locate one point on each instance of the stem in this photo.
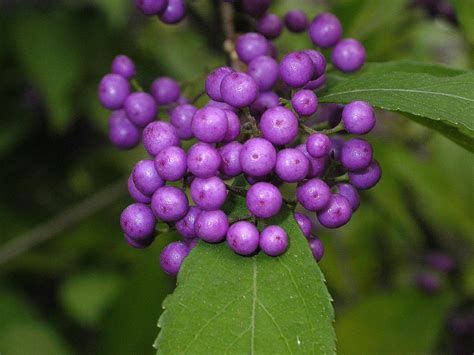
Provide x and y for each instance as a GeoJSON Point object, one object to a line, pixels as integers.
{"type": "Point", "coordinates": [238, 219]}
{"type": "Point", "coordinates": [237, 190]}
{"type": "Point", "coordinates": [136, 85]}
{"type": "Point", "coordinates": [342, 178]}
{"type": "Point", "coordinates": [198, 96]}
{"type": "Point", "coordinates": [338, 128]}
{"type": "Point", "coordinates": [227, 14]}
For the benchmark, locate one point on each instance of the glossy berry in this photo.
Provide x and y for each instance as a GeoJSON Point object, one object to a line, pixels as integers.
{"type": "Point", "coordinates": [256, 8]}
{"type": "Point", "coordinates": [169, 204]}
{"type": "Point", "coordinates": [304, 223]}
{"type": "Point", "coordinates": [296, 69]}
{"type": "Point", "coordinates": [273, 240]}
{"type": "Point", "coordinates": [291, 165]}
{"type": "Point", "coordinates": [208, 194]}
{"type": "Point", "coordinates": [356, 154]}
{"type": "Point", "coordinates": [213, 82]}
{"type": "Point", "coordinates": [264, 70]}
{"type": "Point", "coordinates": [251, 45]}
{"type": "Point", "coordinates": [358, 117]}
{"type": "Point", "coordinates": [211, 226]}
{"type": "Point", "coordinates": [181, 118]}
{"type": "Point", "coordinates": [221, 105]}
{"type": "Point", "coordinates": [257, 157]}
{"type": "Point", "coordinates": [317, 166]}
{"type": "Point", "coordinates": [139, 243]}
{"type": "Point", "coordinates": [317, 248]}
{"type": "Point", "coordinates": [141, 108]}
{"type": "Point", "coordinates": [124, 66]}
{"type": "Point", "coordinates": [192, 243]}
{"type": "Point", "coordinates": [325, 30]}
{"type": "Point", "coordinates": [296, 21]}
{"type": "Point", "coordinates": [316, 83]}
{"type": "Point", "coordinates": [203, 160]}
{"type": "Point", "coordinates": [243, 238]}
{"type": "Point", "coordinates": [122, 133]}
{"type": "Point", "coordinates": [440, 261]}
{"type": "Point", "coordinates": [304, 102]}
{"type": "Point", "coordinates": [137, 221]}
{"type": "Point", "coordinates": [319, 62]}
{"type": "Point", "coordinates": [239, 89]}
{"type": "Point", "coordinates": [151, 7]}
{"type": "Point", "coordinates": [174, 12]}
{"type": "Point", "coordinates": [263, 102]}
{"type": "Point", "coordinates": [279, 125]}
{"type": "Point", "coordinates": [165, 90]}
{"type": "Point", "coordinates": [185, 226]}
{"type": "Point", "coordinates": [172, 257]}
{"type": "Point", "coordinates": [367, 178]}
{"type": "Point", "coordinates": [210, 124]}
{"type": "Point", "coordinates": [318, 145]}
{"type": "Point", "coordinates": [145, 177]}
{"type": "Point", "coordinates": [314, 195]}
{"type": "Point", "coordinates": [113, 91]}
{"type": "Point", "coordinates": [159, 135]}
{"type": "Point", "coordinates": [230, 163]}
{"type": "Point", "coordinates": [264, 200]}
{"type": "Point", "coordinates": [136, 194]}
{"type": "Point", "coordinates": [348, 55]}
{"type": "Point", "coordinates": [233, 126]}
{"type": "Point", "coordinates": [170, 163]}
{"type": "Point", "coordinates": [350, 193]}
{"type": "Point", "coordinates": [336, 213]}
{"type": "Point", "coordinates": [270, 26]}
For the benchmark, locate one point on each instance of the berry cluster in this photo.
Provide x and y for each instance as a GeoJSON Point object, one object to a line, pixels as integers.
{"type": "Point", "coordinates": [261, 122]}
{"type": "Point", "coordinates": [168, 11]}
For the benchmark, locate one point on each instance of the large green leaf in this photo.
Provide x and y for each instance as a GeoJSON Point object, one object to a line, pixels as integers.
{"type": "Point", "coordinates": [225, 303]}
{"type": "Point", "coordinates": [439, 97]}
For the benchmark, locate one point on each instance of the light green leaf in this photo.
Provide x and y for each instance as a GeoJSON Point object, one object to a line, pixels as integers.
{"type": "Point", "coordinates": [434, 94]}
{"type": "Point", "coordinates": [225, 303]}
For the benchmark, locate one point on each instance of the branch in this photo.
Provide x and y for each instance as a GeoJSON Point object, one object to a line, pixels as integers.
{"type": "Point", "coordinates": [227, 14]}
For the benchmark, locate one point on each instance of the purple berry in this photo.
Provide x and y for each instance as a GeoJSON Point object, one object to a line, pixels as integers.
{"type": "Point", "coordinates": [208, 194]}
{"type": "Point", "coordinates": [358, 117]}
{"type": "Point", "coordinates": [137, 221]}
{"type": "Point", "coordinates": [264, 70]}
{"type": "Point", "coordinates": [279, 125]}
{"type": "Point", "coordinates": [348, 55]}
{"type": "Point", "coordinates": [172, 257]}
{"type": "Point", "coordinates": [145, 177]}
{"type": "Point", "coordinates": [122, 133]}
{"type": "Point", "coordinates": [291, 165]}
{"type": "Point", "coordinates": [317, 166]}
{"type": "Point", "coordinates": [181, 118]}
{"type": "Point", "coordinates": [151, 7]}
{"type": "Point", "coordinates": [314, 195]}
{"type": "Point", "coordinates": [230, 154]}
{"type": "Point", "coordinates": [165, 90]}
{"type": "Point", "coordinates": [304, 223]}
{"type": "Point", "coordinates": [336, 147]}
{"type": "Point", "coordinates": [270, 26]}
{"type": "Point", "coordinates": [169, 204]}
{"type": "Point", "coordinates": [211, 226]}
{"type": "Point", "coordinates": [185, 226]}
{"type": "Point", "coordinates": [272, 50]}
{"type": "Point", "coordinates": [159, 135]}
{"type": "Point", "coordinates": [233, 126]}
{"type": "Point", "coordinates": [263, 102]}
{"type": "Point", "coordinates": [243, 238]}
{"type": "Point", "coordinates": [221, 105]}
{"type": "Point", "coordinates": [139, 243]}
{"type": "Point", "coordinates": [192, 243]}
{"type": "Point", "coordinates": [170, 163]}
{"type": "Point", "coordinates": [336, 213]}
{"type": "Point", "coordinates": [239, 89]}
{"type": "Point", "coordinates": [136, 194]}
{"type": "Point", "coordinates": [367, 178]}
{"type": "Point", "coordinates": [210, 124]}
{"type": "Point", "coordinates": [325, 30]}
{"type": "Point", "coordinates": [213, 82]}
{"type": "Point", "coordinates": [264, 200]}
{"type": "Point", "coordinates": [296, 69]}
{"type": "Point", "coordinates": [440, 261]}
{"type": "Point", "coordinates": [251, 45]}
{"type": "Point", "coordinates": [113, 91]}
{"type": "Point", "coordinates": [203, 160]}
{"type": "Point", "coordinates": [316, 83]}
{"type": "Point", "coordinates": [296, 21]}
{"type": "Point", "coordinates": [141, 108]}
{"type": "Point", "coordinates": [317, 248]}
{"type": "Point", "coordinates": [252, 180]}
{"type": "Point", "coordinates": [319, 62]}
{"type": "Point", "coordinates": [257, 157]}
{"type": "Point", "coordinates": [318, 145]}
{"type": "Point", "coordinates": [174, 12]}
{"type": "Point", "coordinates": [305, 102]}
{"type": "Point", "coordinates": [350, 193]}
{"type": "Point", "coordinates": [123, 65]}
{"type": "Point", "coordinates": [356, 154]}
{"type": "Point", "coordinates": [256, 8]}
{"type": "Point", "coordinates": [428, 282]}
{"type": "Point", "coordinates": [273, 240]}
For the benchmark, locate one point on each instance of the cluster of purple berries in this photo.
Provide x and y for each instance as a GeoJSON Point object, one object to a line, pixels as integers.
{"type": "Point", "coordinates": [168, 11]}
{"type": "Point", "coordinates": [256, 123]}
{"type": "Point", "coordinates": [436, 265]}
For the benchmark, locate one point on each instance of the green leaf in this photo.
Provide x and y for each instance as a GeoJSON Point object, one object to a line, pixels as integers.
{"type": "Point", "coordinates": [225, 303]}
{"type": "Point", "coordinates": [465, 15]}
{"type": "Point", "coordinates": [440, 97]}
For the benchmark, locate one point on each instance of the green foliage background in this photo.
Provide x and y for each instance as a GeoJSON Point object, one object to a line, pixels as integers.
{"type": "Point", "coordinates": [83, 291]}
